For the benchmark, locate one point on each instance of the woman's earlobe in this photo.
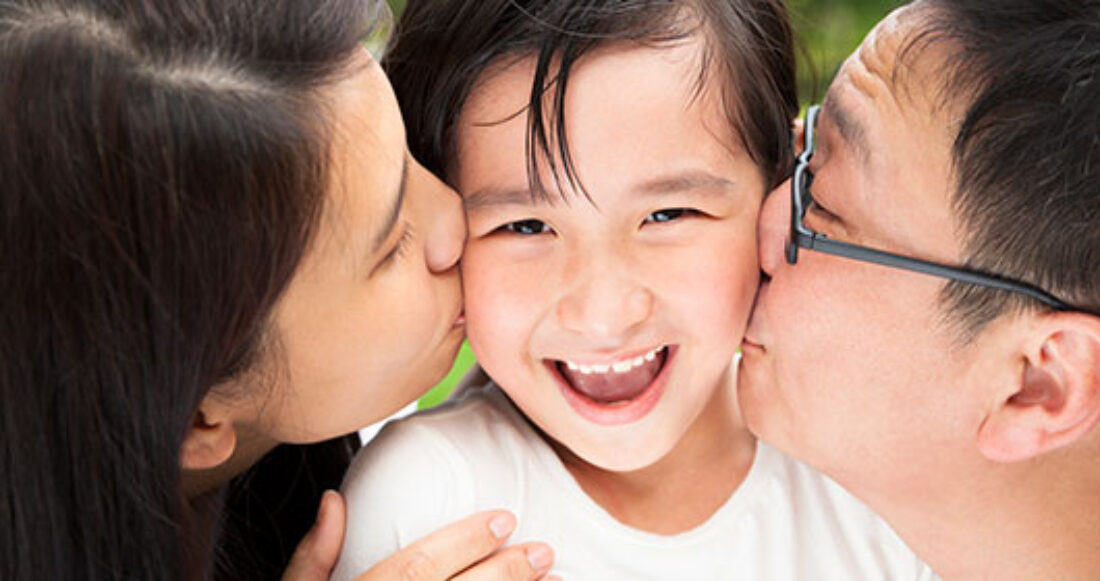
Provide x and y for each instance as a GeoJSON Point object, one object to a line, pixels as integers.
{"type": "Point", "coordinates": [210, 441]}
{"type": "Point", "coordinates": [1057, 397]}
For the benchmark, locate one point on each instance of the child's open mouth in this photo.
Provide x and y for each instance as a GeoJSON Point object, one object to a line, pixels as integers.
{"type": "Point", "coordinates": [614, 392]}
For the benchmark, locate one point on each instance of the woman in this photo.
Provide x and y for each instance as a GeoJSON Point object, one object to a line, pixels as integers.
{"type": "Point", "coordinates": [212, 240]}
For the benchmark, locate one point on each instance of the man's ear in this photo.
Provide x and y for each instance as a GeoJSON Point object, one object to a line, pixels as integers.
{"type": "Point", "coordinates": [1056, 398]}
{"type": "Point", "coordinates": [211, 439]}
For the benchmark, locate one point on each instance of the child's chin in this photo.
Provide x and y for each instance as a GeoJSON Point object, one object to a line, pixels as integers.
{"type": "Point", "coordinates": [614, 457]}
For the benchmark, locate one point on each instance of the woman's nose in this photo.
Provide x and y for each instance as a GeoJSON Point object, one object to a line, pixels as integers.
{"type": "Point", "coordinates": [774, 228]}
{"type": "Point", "coordinates": [446, 227]}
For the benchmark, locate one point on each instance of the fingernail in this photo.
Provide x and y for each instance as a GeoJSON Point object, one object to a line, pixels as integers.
{"type": "Point", "coordinates": [540, 557]}
{"type": "Point", "coordinates": [502, 525]}
{"type": "Point", "coordinates": [325, 499]}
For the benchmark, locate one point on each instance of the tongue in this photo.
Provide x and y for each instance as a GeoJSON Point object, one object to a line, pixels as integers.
{"type": "Point", "coordinates": [613, 387]}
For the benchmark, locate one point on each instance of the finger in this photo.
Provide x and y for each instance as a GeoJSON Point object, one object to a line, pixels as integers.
{"type": "Point", "coordinates": [449, 550]}
{"type": "Point", "coordinates": [517, 563]}
{"type": "Point", "coordinates": [318, 551]}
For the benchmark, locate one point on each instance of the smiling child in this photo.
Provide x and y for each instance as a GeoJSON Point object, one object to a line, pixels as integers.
{"type": "Point", "coordinates": [612, 158]}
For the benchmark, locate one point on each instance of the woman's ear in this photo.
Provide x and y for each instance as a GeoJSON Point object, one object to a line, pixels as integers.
{"type": "Point", "coordinates": [1056, 399]}
{"type": "Point", "coordinates": [211, 439]}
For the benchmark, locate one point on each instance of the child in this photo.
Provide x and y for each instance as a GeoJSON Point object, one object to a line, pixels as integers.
{"type": "Point", "coordinates": [612, 157]}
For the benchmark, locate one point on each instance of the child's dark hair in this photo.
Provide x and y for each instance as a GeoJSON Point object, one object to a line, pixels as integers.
{"type": "Point", "coordinates": [442, 47]}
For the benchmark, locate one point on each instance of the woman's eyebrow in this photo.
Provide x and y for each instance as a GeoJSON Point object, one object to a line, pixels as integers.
{"type": "Point", "coordinates": [383, 233]}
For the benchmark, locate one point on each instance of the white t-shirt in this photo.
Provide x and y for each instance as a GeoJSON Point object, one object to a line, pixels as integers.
{"type": "Point", "coordinates": [785, 521]}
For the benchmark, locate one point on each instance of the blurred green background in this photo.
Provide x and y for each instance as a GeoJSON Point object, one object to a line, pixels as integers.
{"type": "Point", "coordinates": [829, 31]}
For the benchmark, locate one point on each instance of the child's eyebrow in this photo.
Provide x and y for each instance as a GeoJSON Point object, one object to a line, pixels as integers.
{"type": "Point", "coordinates": [493, 196]}
{"type": "Point", "coordinates": [691, 180]}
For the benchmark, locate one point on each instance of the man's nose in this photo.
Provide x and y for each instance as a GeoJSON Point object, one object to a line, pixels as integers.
{"type": "Point", "coordinates": [774, 228]}
{"type": "Point", "coordinates": [605, 302]}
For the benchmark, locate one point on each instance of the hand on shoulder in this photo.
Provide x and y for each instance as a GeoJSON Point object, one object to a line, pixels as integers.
{"type": "Point", "coordinates": [469, 549]}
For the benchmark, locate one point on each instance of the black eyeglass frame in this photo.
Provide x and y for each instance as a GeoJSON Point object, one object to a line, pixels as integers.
{"type": "Point", "coordinates": [803, 237]}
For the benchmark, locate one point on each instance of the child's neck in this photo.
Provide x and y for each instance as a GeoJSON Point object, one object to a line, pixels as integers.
{"type": "Point", "coordinates": [690, 483]}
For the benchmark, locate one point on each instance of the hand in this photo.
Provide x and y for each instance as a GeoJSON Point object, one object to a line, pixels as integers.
{"type": "Point", "coordinates": [467, 550]}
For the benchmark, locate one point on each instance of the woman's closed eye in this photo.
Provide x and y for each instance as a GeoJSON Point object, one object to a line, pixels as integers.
{"type": "Point", "coordinates": [397, 251]}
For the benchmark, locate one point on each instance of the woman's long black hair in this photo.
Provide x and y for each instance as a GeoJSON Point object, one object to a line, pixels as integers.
{"type": "Point", "coordinates": [162, 167]}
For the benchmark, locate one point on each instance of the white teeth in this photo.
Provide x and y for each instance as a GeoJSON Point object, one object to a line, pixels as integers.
{"type": "Point", "coordinates": [618, 367]}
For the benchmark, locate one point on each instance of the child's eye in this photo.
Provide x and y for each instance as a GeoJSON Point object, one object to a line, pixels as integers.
{"type": "Point", "coordinates": [526, 227]}
{"type": "Point", "coordinates": [669, 214]}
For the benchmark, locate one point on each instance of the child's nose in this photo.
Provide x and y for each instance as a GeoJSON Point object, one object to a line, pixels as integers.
{"type": "Point", "coordinates": [606, 305]}
{"type": "Point", "coordinates": [774, 227]}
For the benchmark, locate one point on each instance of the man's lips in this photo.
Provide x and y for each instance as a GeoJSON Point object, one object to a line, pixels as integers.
{"type": "Point", "coordinates": [746, 342]}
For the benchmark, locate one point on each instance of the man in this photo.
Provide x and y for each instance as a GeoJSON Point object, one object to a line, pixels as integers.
{"type": "Point", "coordinates": [958, 399]}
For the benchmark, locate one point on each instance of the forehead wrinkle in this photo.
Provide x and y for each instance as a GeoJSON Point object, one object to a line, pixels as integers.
{"type": "Point", "coordinates": [868, 75]}
{"type": "Point", "coordinates": [878, 69]}
{"type": "Point", "coordinates": [877, 73]}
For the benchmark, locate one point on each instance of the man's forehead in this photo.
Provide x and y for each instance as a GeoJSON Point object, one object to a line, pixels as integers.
{"type": "Point", "coordinates": [885, 108]}
{"type": "Point", "coordinates": [894, 80]}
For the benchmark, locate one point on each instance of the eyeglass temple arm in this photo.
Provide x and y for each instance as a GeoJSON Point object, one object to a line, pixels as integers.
{"type": "Point", "coordinates": [821, 243]}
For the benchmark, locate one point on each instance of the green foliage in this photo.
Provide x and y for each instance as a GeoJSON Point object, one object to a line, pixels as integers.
{"type": "Point", "coordinates": [439, 393]}
{"type": "Point", "coordinates": [830, 30]}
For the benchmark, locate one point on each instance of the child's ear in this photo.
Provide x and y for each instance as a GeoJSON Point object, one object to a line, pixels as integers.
{"type": "Point", "coordinates": [1056, 398]}
{"type": "Point", "coordinates": [211, 439]}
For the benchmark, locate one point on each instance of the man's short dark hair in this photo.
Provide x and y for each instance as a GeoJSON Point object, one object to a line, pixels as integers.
{"type": "Point", "coordinates": [442, 47]}
{"type": "Point", "coordinates": [1027, 151]}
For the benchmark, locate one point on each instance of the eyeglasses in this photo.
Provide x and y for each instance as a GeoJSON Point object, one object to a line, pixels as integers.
{"type": "Point", "coordinates": [803, 237]}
